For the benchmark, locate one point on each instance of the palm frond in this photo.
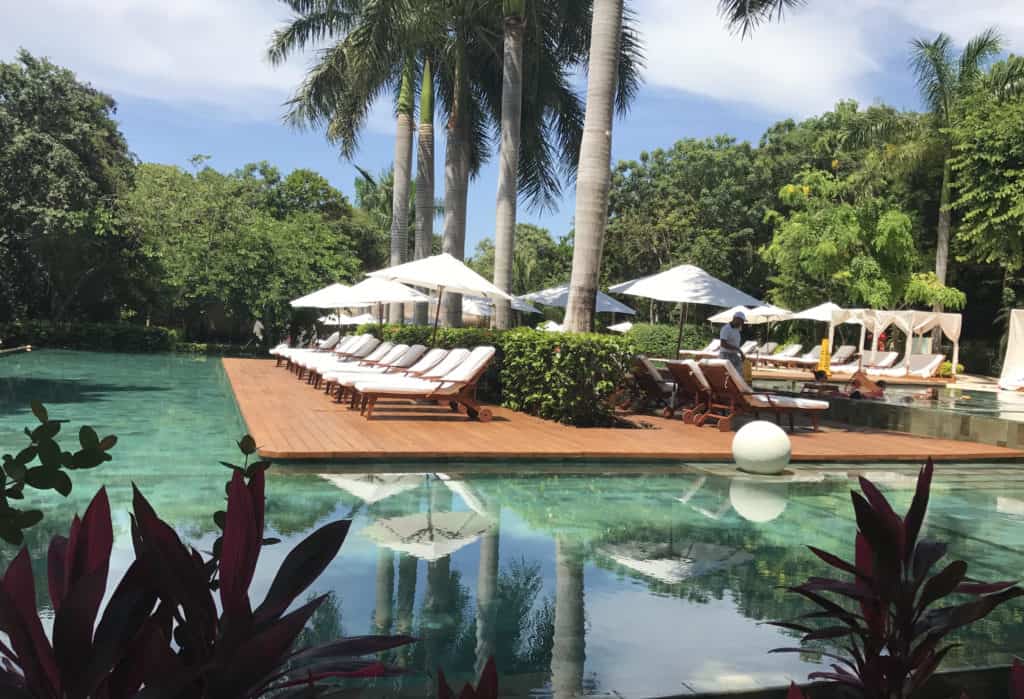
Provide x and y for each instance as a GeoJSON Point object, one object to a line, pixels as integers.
{"type": "Point", "coordinates": [1006, 78]}
{"type": "Point", "coordinates": [746, 15]}
{"type": "Point", "coordinates": [935, 73]}
{"type": "Point", "coordinates": [978, 53]}
{"type": "Point", "coordinates": [631, 62]}
{"type": "Point", "coordinates": [317, 21]}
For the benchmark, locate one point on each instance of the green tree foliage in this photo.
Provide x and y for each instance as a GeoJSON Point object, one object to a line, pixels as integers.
{"type": "Point", "coordinates": [833, 244]}
{"type": "Point", "coordinates": [989, 167]}
{"type": "Point", "coordinates": [227, 248]}
{"type": "Point", "coordinates": [64, 162]}
{"type": "Point", "coordinates": [539, 261]}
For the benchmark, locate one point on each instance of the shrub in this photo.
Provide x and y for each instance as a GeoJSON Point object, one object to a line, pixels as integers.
{"type": "Point", "coordinates": [946, 369]}
{"type": "Point", "coordinates": [161, 627]}
{"type": "Point", "coordinates": [563, 377]}
{"type": "Point", "coordinates": [883, 614]}
{"type": "Point", "coordinates": [659, 340]}
{"type": "Point", "coordinates": [216, 349]}
{"type": "Point", "coordinates": [110, 337]}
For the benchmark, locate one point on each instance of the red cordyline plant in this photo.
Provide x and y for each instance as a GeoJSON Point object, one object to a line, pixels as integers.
{"type": "Point", "coordinates": [887, 624]}
{"type": "Point", "coordinates": [160, 635]}
{"type": "Point", "coordinates": [486, 686]}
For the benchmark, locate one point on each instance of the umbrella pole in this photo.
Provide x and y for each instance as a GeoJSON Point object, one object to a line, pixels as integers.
{"type": "Point", "coordinates": [682, 321]}
{"type": "Point", "coordinates": [437, 314]}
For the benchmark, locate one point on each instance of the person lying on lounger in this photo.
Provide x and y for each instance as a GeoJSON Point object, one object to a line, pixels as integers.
{"type": "Point", "coordinates": [863, 387]}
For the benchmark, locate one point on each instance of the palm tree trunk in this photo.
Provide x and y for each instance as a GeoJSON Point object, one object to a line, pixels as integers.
{"type": "Point", "coordinates": [594, 174]}
{"type": "Point", "coordinates": [425, 179]}
{"type": "Point", "coordinates": [568, 651]}
{"type": "Point", "coordinates": [456, 189]}
{"type": "Point", "coordinates": [487, 597]}
{"type": "Point", "coordinates": [402, 180]}
{"type": "Point", "coordinates": [385, 590]}
{"type": "Point", "coordinates": [942, 245]}
{"type": "Point", "coordinates": [508, 172]}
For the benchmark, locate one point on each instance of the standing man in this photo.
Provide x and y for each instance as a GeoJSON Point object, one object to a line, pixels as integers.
{"type": "Point", "coordinates": [731, 338]}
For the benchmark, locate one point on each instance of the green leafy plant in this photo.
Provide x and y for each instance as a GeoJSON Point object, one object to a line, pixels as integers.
{"type": "Point", "coordinates": [109, 337]}
{"type": "Point", "coordinates": [42, 465]}
{"type": "Point", "coordinates": [564, 377]}
{"type": "Point", "coordinates": [659, 340]}
{"type": "Point", "coordinates": [946, 369]}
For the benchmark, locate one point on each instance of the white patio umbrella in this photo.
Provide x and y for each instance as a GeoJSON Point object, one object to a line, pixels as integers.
{"type": "Point", "coordinates": [371, 488]}
{"type": "Point", "coordinates": [484, 308]}
{"type": "Point", "coordinates": [558, 296]}
{"type": "Point", "coordinates": [321, 298]}
{"type": "Point", "coordinates": [755, 316]}
{"type": "Point", "coordinates": [821, 313]}
{"type": "Point", "coordinates": [684, 285]}
{"type": "Point", "coordinates": [673, 563]}
{"type": "Point", "coordinates": [442, 273]}
{"type": "Point", "coordinates": [374, 291]}
{"type": "Point", "coordinates": [429, 535]}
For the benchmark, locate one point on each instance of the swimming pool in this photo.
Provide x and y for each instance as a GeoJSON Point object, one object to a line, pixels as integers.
{"type": "Point", "coordinates": [640, 585]}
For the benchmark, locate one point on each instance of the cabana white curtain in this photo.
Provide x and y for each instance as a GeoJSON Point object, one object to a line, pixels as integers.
{"type": "Point", "coordinates": [1012, 378]}
{"type": "Point", "coordinates": [911, 323]}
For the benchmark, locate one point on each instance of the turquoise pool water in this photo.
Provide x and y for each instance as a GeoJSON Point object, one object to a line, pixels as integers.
{"type": "Point", "coordinates": [592, 582]}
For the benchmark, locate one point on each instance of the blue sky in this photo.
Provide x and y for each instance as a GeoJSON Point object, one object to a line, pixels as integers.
{"type": "Point", "coordinates": [190, 77]}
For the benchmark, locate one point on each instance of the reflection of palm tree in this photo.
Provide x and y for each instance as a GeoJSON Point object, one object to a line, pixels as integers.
{"type": "Point", "coordinates": [569, 650]}
{"type": "Point", "coordinates": [487, 597]}
{"type": "Point", "coordinates": [406, 602]}
{"type": "Point", "coordinates": [385, 590]}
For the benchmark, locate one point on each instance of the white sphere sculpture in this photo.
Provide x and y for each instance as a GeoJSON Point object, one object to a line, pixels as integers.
{"type": "Point", "coordinates": [758, 502]}
{"type": "Point", "coordinates": [761, 447]}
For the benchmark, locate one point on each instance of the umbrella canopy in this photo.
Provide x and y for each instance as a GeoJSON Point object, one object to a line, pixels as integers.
{"type": "Point", "coordinates": [484, 308]}
{"type": "Point", "coordinates": [429, 535]}
{"type": "Point", "coordinates": [621, 327]}
{"type": "Point", "coordinates": [322, 298]}
{"type": "Point", "coordinates": [755, 316]}
{"type": "Point", "coordinates": [371, 488]}
{"type": "Point", "coordinates": [686, 284]}
{"type": "Point", "coordinates": [673, 563]}
{"type": "Point", "coordinates": [374, 290]}
{"type": "Point", "coordinates": [559, 296]}
{"type": "Point", "coordinates": [442, 273]}
{"type": "Point", "coordinates": [821, 313]}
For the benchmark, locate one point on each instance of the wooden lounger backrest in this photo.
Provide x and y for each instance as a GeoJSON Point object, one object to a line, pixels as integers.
{"type": "Point", "coordinates": [689, 377]}
{"type": "Point", "coordinates": [725, 381]}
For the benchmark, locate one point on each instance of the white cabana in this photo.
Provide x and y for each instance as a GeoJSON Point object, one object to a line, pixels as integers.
{"type": "Point", "coordinates": [1012, 377]}
{"type": "Point", "coordinates": [686, 284]}
{"type": "Point", "coordinates": [442, 273]}
{"type": "Point", "coordinates": [910, 323]}
{"type": "Point", "coordinates": [624, 327]}
{"type": "Point", "coordinates": [821, 313]}
{"type": "Point", "coordinates": [558, 296]}
{"type": "Point", "coordinates": [755, 316]}
{"type": "Point", "coordinates": [322, 298]}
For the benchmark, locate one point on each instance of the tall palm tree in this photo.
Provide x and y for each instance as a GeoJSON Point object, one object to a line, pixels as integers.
{"type": "Point", "coordinates": [594, 175]}
{"type": "Point", "coordinates": [944, 81]}
{"type": "Point", "coordinates": [425, 177]}
{"type": "Point", "coordinates": [403, 178]}
{"type": "Point", "coordinates": [508, 155]}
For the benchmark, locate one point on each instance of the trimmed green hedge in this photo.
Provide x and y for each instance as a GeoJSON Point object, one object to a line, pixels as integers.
{"type": "Point", "coordinates": [563, 376]}
{"type": "Point", "coordinates": [660, 340]}
{"type": "Point", "coordinates": [216, 349]}
{"type": "Point", "coordinates": [113, 337]}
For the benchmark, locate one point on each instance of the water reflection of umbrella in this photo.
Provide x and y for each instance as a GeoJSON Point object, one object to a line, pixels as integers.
{"type": "Point", "coordinates": [672, 563]}
{"type": "Point", "coordinates": [467, 492]}
{"type": "Point", "coordinates": [371, 488]}
{"type": "Point", "coordinates": [429, 535]}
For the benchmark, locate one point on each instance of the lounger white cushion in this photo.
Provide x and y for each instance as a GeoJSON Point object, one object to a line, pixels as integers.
{"type": "Point", "coordinates": [921, 366]}
{"type": "Point", "coordinates": [449, 384]}
{"type": "Point", "coordinates": [391, 355]}
{"type": "Point", "coordinates": [709, 351]}
{"type": "Point", "coordinates": [764, 400]}
{"type": "Point", "coordinates": [883, 360]}
{"type": "Point", "coordinates": [400, 357]}
{"type": "Point", "coordinates": [447, 363]}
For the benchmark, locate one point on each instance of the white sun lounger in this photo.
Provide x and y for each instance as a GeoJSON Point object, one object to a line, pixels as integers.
{"type": "Point", "coordinates": [732, 395]}
{"type": "Point", "coordinates": [920, 366]}
{"type": "Point", "coordinates": [710, 351]}
{"type": "Point", "coordinates": [882, 360]}
{"type": "Point", "coordinates": [458, 386]}
{"type": "Point", "coordinates": [399, 359]}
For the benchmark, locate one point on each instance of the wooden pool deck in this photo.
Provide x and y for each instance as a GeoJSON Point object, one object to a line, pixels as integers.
{"type": "Point", "coordinates": [291, 421]}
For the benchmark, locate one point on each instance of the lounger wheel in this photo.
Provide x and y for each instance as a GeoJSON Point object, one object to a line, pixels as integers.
{"type": "Point", "coordinates": [484, 415]}
{"type": "Point", "coordinates": [699, 420]}
{"type": "Point", "coordinates": [667, 413]}
{"type": "Point", "coordinates": [688, 417]}
{"type": "Point", "coordinates": [725, 424]}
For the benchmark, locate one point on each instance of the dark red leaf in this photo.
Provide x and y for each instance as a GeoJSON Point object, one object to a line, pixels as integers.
{"type": "Point", "coordinates": [928, 668]}
{"type": "Point", "coordinates": [239, 550]}
{"type": "Point", "coordinates": [926, 555]}
{"type": "Point", "coordinates": [487, 685]}
{"type": "Point", "coordinates": [257, 486]}
{"type": "Point", "coordinates": [892, 522]}
{"type": "Point", "coordinates": [792, 626]}
{"type": "Point", "coordinates": [73, 625]}
{"type": "Point", "coordinates": [972, 587]}
{"type": "Point", "coordinates": [55, 574]}
{"type": "Point", "coordinates": [829, 632]}
{"type": "Point", "coordinates": [918, 507]}
{"type": "Point", "coordinates": [19, 617]}
{"type": "Point", "coordinates": [949, 619]}
{"type": "Point", "coordinates": [354, 646]}
{"type": "Point", "coordinates": [301, 567]}
{"type": "Point", "coordinates": [1017, 679]}
{"type": "Point", "coordinates": [881, 537]}
{"type": "Point", "coordinates": [443, 690]}
{"type": "Point", "coordinates": [90, 549]}
{"type": "Point", "coordinates": [846, 589]}
{"type": "Point", "coordinates": [942, 583]}
{"type": "Point", "coordinates": [794, 692]}
{"type": "Point", "coordinates": [836, 561]}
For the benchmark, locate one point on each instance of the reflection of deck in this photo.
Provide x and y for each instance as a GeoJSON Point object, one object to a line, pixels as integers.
{"type": "Point", "coordinates": [290, 420]}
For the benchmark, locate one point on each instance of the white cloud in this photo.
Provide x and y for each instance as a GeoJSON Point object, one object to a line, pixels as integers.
{"type": "Point", "coordinates": [820, 53]}
{"type": "Point", "coordinates": [211, 52]}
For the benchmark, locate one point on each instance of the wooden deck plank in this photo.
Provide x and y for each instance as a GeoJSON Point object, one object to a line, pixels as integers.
{"type": "Point", "coordinates": [291, 420]}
